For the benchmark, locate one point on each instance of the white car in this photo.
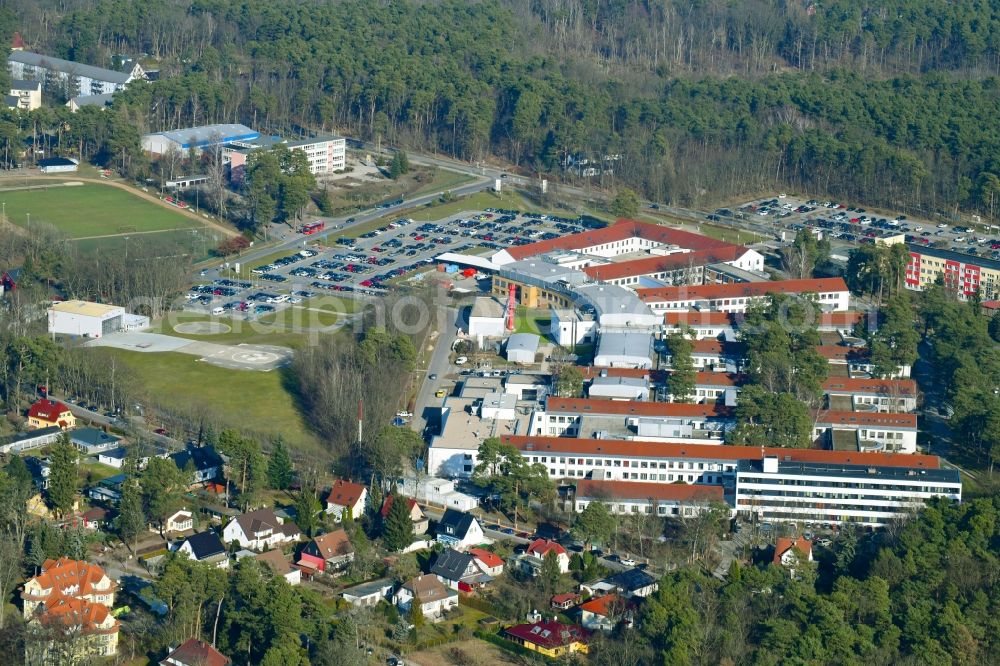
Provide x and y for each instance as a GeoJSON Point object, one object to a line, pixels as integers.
{"type": "Point", "coordinates": [942, 226]}
{"type": "Point", "coordinates": [461, 360]}
{"type": "Point", "coordinates": [918, 229]}
{"type": "Point", "coordinates": [628, 562]}
{"type": "Point", "coordinates": [404, 414]}
{"type": "Point", "coordinates": [295, 299]}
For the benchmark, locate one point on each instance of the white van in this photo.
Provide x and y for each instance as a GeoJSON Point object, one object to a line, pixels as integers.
{"type": "Point", "coordinates": [217, 311]}
{"type": "Point", "coordinates": [461, 360]}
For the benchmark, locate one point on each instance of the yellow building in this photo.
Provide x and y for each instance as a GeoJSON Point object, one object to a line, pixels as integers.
{"type": "Point", "coordinates": [47, 413]}
{"type": "Point", "coordinates": [552, 639]}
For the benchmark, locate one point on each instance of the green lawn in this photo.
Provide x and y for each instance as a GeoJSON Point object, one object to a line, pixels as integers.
{"type": "Point", "coordinates": [289, 331]}
{"type": "Point", "coordinates": [532, 320]}
{"type": "Point", "coordinates": [253, 401]}
{"type": "Point", "coordinates": [91, 209]}
{"type": "Point", "coordinates": [442, 179]}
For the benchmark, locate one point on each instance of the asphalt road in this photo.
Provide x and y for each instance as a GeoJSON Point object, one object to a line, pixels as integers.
{"type": "Point", "coordinates": [136, 422]}
{"type": "Point", "coordinates": [439, 364]}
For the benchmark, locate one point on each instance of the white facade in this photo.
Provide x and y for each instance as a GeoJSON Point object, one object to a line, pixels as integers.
{"type": "Point", "coordinates": [435, 491]}
{"type": "Point", "coordinates": [325, 154]}
{"type": "Point", "coordinates": [83, 319]}
{"type": "Point", "coordinates": [567, 328]}
{"type": "Point", "coordinates": [486, 319]}
{"type": "Point", "coordinates": [836, 493]}
{"type": "Point", "coordinates": [78, 79]}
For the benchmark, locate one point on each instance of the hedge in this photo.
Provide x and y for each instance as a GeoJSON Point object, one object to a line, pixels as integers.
{"type": "Point", "coordinates": [479, 604]}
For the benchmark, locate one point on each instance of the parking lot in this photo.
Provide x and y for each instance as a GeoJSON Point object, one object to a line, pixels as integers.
{"type": "Point", "coordinates": [372, 262]}
{"type": "Point", "coordinates": [853, 225]}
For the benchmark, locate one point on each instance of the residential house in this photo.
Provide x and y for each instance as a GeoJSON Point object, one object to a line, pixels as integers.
{"type": "Point", "coordinates": [281, 566]}
{"type": "Point", "coordinates": [435, 599]}
{"type": "Point", "coordinates": [630, 583]}
{"type": "Point", "coordinates": [370, 593]}
{"type": "Point", "coordinates": [194, 652]}
{"type": "Point", "coordinates": [605, 612]}
{"type": "Point", "coordinates": [260, 529]}
{"type": "Point", "coordinates": [552, 639]}
{"type": "Point", "coordinates": [107, 490]}
{"type": "Point", "coordinates": [9, 279]}
{"type": "Point", "coordinates": [73, 597]}
{"type": "Point", "coordinates": [113, 458]}
{"type": "Point", "coordinates": [201, 461]}
{"type": "Point", "coordinates": [790, 553]}
{"type": "Point", "coordinates": [346, 495]}
{"type": "Point", "coordinates": [538, 550]}
{"type": "Point", "coordinates": [32, 439]}
{"type": "Point", "coordinates": [417, 517]}
{"type": "Point", "coordinates": [205, 547]}
{"type": "Point", "coordinates": [179, 521]}
{"type": "Point", "coordinates": [460, 530]}
{"type": "Point", "coordinates": [327, 552]}
{"type": "Point", "coordinates": [491, 564]}
{"type": "Point", "coordinates": [47, 413]}
{"type": "Point", "coordinates": [24, 95]}
{"type": "Point", "coordinates": [94, 518]}
{"type": "Point", "coordinates": [91, 441]}
{"type": "Point", "coordinates": [459, 571]}
{"type": "Point", "coordinates": [564, 601]}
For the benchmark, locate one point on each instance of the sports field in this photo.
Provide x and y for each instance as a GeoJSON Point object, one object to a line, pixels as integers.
{"type": "Point", "coordinates": [90, 210]}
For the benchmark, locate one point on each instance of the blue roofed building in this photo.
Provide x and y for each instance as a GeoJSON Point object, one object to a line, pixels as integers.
{"type": "Point", "coordinates": [159, 143]}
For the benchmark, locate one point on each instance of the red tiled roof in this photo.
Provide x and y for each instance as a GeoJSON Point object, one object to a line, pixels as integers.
{"type": "Point", "coordinates": [549, 634]}
{"type": "Point", "coordinates": [47, 410]}
{"type": "Point", "coordinates": [387, 504]}
{"type": "Point", "coordinates": [559, 405]}
{"type": "Point", "coordinates": [661, 263]}
{"type": "Point", "coordinates": [699, 318]}
{"type": "Point", "coordinates": [563, 598]}
{"type": "Point", "coordinates": [889, 387]}
{"type": "Point", "coordinates": [345, 493]}
{"type": "Point", "coordinates": [677, 450]}
{"type": "Point", "coordinates": [65, 573]}
{"type": "Point", "coordinates": [75, 614]}
{"type": "Point", "coordinates": [834, 418]}
{"type": "Point", "coordinates": [194, 652]}
{"type": "Point", "coordinates": [333, 544]}
{"type": "Point", "coordinates": [717, 379]}
{"type": "Point", "coordinates": [741, 289]}
{"type": "Point", "coordinates": [542, 547]}
{"type": "Point", "coordinates": [784, 544]}
{"type": "Point", "coordinates": [709, 346]}
{"type": "Point", "coordinates": [620, 230]}
{"type": "Point", "coordinates": [486, 557]}
{"type": "Point", "coordinates": [635, 490]}
{"type": "Point", "coordinates": [604, 606]}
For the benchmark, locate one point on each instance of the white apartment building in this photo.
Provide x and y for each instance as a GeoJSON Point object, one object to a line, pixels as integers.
{"type": "Point", "coordinates": [77, 78]}
{"type": "Point", "coordinates": [831, 294]}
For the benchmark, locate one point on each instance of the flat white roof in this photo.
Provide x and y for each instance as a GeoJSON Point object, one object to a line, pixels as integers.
{"type": "Point", "coordinates": [87, 309]}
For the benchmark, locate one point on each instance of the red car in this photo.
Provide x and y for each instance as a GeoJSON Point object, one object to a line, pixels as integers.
{"type": "Point", "coordinates": [365, 283]}
{"type": "Point", "coordinates": [161, 431]}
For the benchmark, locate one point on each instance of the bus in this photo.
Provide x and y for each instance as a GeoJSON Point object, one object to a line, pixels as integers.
{"type": "Point", "coordinates": [312, 227]}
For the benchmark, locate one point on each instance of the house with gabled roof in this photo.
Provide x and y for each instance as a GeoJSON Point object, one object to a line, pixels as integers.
{"type": "Point", "coordinates": [280, 565]}
{"type": "Point", "coordinates": [205, 547]}
{"type": "Point", "coordinates": [459, 571]}
{"type": "Point", "coordinates": [552, 639]}
{"type": "Point", "coordinates": [203, 462]}
{"type": "Point", "coordinates": [435, 599]}
{"type": "Point", "coordinates": [260, 529]}
{"type": "Point", "coordinates": [539, 549]}
{"type": "Point", "coordinates": [791, 553]}
{"type": "Point", "coordinates": [46, 413]}
{"type": "Point", "coordinates": [605, 612]}
{"type": "Point", "coordinates": [460, 530]}
{"type": "Point", "coordinates": [327, 552]}
{"type": "Point", "coordinates": [346, 495]}
{"type": "Point", "coordinates": [417, 517]}
{"type": "Point", "coordinates": [194, 652]}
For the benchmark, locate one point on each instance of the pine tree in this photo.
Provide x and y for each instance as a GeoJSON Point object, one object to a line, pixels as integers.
{"type": "Point", "coordinates": [397, 531]}
{"type": "Point", "coordinates": [63, 476]}
{"type": "Point", "coordinates": [279, 467]}
{"type": "Point", "coordinates": [306, 508]}
{"type": "Point", "coordinates": [131, 518]}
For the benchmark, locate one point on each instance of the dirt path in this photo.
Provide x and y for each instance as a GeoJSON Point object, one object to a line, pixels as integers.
{"type": "Point", "coordinates": [139, 193]}
{"type": "Point", "coordinates": [132, 233]}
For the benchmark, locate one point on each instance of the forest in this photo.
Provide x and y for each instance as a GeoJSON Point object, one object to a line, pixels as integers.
{"type": "Point", "coordinates": [888, 103]}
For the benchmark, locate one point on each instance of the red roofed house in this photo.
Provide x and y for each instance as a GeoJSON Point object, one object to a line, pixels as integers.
{"type": "Point", "coordinates": [491, 564]}
{"type": "Point", "coordinates": [831, 295]}
{"type": "Point", "coordinates": [553, 639]}
{"type": "Point", "coordinates": [565, 601]}
{"type": "Point", "coordinates": [538, 550]}
{"type": "Point", "coordinates": [605, 612]}
{"type": "Point", "coordinates": [327, 551]}
{"type": "Point", "coordinates": [346, 495]}
{"type": "Point", "coordinates": [417, 517]}
{"type": "Point", "coordinates": [75, 596]}
{"type": "Point", "coordinates": [194, 652]}
{"type": "Point", "coordinates": [47, 413]}
{"type": "Point", "coordinates": [789, 553]}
